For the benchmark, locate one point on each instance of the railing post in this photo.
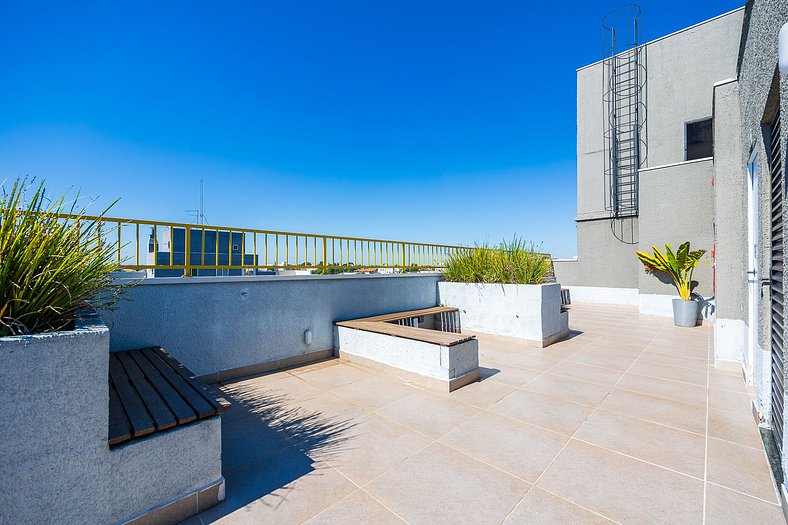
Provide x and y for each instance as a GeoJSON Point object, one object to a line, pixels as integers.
{"type": "Point", "coordinates": [187, 255]}
{"type": "Point", "coordinates": [325, 254]}
{"type": "Point", "coordinates": [403, 258]}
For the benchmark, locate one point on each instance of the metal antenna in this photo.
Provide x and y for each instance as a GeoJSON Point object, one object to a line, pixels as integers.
{"type": "Point", "coordinates": [199, 214]}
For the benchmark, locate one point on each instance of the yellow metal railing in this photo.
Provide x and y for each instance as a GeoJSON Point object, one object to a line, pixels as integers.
{"type": "Point", "coordinates": [191, 249]}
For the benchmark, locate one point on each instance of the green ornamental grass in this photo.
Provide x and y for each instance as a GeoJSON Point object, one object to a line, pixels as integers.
{"type": "Point", "coordinates": [515, 262]}
{"type": "Point", "coordinates": [50, 267]}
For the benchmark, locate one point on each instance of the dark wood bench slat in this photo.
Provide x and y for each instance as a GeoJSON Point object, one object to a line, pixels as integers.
{"type": "Point", "coordinates": [404, 315]}
{"type": "Point", "coordinates": [180, 408]}
{"type": "Point", "coordinates": [202, 407]}
{"type": "Point", "coordinates": [119, 426]}
{"type": "Point", "coordinates": [213, 397]}
{"type": "Point", "coordinates": [156, 406]}
{"type": "Point", "coordinates": [139, 419]}
{"type": "Point", "coordinates": [409, 332]}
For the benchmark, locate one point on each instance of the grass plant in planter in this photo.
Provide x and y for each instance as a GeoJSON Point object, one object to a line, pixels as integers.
{"type": "Point", "coordinates": [513, 262]}
{"type": "Point", "coordinates": [679, 266]}
{"type": "Point", "coordinates": [50, 267]}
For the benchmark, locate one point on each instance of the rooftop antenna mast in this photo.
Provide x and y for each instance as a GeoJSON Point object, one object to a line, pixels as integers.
{"type": "Point", "coordinates": [199, 214]}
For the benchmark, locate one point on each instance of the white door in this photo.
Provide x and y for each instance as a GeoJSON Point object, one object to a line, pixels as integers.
{"type": "Point", "coordinates": [753, 275]}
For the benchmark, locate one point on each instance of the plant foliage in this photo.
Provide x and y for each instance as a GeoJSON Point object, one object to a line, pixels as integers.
{"type": "Point", "coordinates": [679, 266]}
{"type": "Point", "coordinates": [513, 262]}
{"type": "Point", "coordinates": [50, 267]}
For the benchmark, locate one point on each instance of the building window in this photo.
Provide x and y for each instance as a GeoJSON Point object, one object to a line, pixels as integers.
{"type": "Point", "coordinates": [700, 139]}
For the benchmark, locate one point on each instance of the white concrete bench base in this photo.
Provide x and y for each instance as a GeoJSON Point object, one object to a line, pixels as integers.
{"type": "Point", "coordinates": [445, 368]}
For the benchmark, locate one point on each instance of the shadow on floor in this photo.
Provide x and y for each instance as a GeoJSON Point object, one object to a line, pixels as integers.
{"type": "Point", "coordinates": [268, 442]}
{"type": "Point", "coordinates": [486, 372]}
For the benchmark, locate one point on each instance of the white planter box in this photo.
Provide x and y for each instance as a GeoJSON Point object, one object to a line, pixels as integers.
{"type": "Point", "coordinates": [525, 311]}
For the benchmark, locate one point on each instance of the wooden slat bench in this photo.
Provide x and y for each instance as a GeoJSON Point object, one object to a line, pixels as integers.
{"type": "Point", "coordinates": [150, 391]}
{"type": "Point", "coordinates": [383, 324]}
{"type": "Point", "coordinates": [431, 352]}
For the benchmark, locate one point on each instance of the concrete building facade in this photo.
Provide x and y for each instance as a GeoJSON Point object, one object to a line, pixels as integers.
{"type": "Point", "coordinates": [720, 76]}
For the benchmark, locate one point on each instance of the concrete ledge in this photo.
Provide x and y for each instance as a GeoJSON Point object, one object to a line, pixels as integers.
{"type": "Point", "coordinates": [182, 507]}
{"type": "Point", "coordinates": [603, 295]}
{"type": "Point", "coordinates": [268, 366]}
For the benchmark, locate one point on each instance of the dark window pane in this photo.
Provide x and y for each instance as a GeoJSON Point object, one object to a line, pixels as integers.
{"type": "Point", "coordinates": [700, 140]}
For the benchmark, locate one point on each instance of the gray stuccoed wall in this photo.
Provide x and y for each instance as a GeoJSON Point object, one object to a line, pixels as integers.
{"type": "Point", "coordinates": [757, 72]}
{"type": "Point", "coordinates": [213, 324]}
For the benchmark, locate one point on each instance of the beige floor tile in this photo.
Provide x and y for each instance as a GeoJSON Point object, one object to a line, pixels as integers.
{"type": "Point", "coordinates": [333, 376]}
{"type": "Point", "coordinates": [518, 448]}
{"type": "Point", "coordinates": [605, 360]}
{"type": "Point", "coordinates": [373, 392]}
{"type": "Point", "coordinates": [581, 392]}
{"type": "Point", "coordinates": [683, 349]}
{"type": "Point", "coordinates": [593, 374]}
{"type": "Point", "coordinates": [740, 468]}
{"type": "Point", "coordinates": [652, 386]}
{"type": "Point", "coordinates": [543, 411]}
{"type": "Point", "coordinates": [428, 413]}
{"type": "Point", "coordinates": [510, 375]}
{"type": "Point", "coordinates": [727, 381]}
{"type": "Point", "coordinates": [271, 495]}
{"type": "Point", "coordinates": [735, 426]}
{"type": "Point", "coordinates": [671, 373]}
{"type": "Point", "coordinates": [542, 508]}
{"type": "Point", "coordinates": [442, 486]}
{"type": "Point", "coordinates": [694, 363]}
{"type": "Point", "coordinates": [285, 388]}
{"type": "Point", "coordinates": [482, 394]}
{"type": "Point", "coordinates": [659, 410]}
{"type": "Point", "coordinates": [360, 508]}
{"type": "Point", "coordinates": [729, 400]}
{"type": "Point", "coordinates": [614, 348]}
{"type": "Point", "coordinates": [726, 507]}
{"type": "Point", "coordinates": [527, 359]}
{"type": "Point", "coordinates": [623, 489]}
{"type": "Point", "coordinates": [664, 446]}
{"type": "Point", "coordinates": [371, 447]}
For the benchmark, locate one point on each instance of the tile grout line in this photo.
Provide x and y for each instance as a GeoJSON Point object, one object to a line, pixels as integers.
{"type": "Point", "coordinates": [706, 437]}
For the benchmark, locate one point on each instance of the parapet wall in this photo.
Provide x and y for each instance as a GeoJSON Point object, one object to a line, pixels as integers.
{"type": "Point", "coordinates": [239, 325]}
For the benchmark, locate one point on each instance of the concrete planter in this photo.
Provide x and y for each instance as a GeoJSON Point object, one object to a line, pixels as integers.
{"type": "Point", "coordinates": [529, 312]}
{"type": "Point", "coordinates": [685, 313]}
{"type": "Point", "coordinates": [57, 463]}
{"type": "Point", "coordinates": [53, 425]}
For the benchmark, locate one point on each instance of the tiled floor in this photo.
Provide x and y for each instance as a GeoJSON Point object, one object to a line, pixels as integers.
{"type": "Point", "coordinates": [625, 422]}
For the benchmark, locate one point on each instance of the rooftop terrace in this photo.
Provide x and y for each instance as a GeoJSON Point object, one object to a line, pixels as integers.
{"type": "Point", "coordinates": [627, 421]}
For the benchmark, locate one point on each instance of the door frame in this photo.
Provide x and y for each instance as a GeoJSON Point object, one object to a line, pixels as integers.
{"type": "Point", "coordinates": [753, 271]}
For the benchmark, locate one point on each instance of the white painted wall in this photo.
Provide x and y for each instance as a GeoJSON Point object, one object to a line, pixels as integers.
{"type": "Point", "coordinates": [603, 295]}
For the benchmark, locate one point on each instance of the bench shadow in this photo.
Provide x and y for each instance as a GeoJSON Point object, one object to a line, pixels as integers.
{"type": "Point", "coordinates": [486, 372]}
{"type": "Point", "coordinates": [268, 442]}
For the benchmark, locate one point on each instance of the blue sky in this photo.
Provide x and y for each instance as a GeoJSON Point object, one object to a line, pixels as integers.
{"type": "Point", "coordinates": [446, 122]}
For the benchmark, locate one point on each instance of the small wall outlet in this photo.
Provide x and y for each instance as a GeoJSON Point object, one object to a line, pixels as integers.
{"type": "Point", "coordinates": [308, 337]}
